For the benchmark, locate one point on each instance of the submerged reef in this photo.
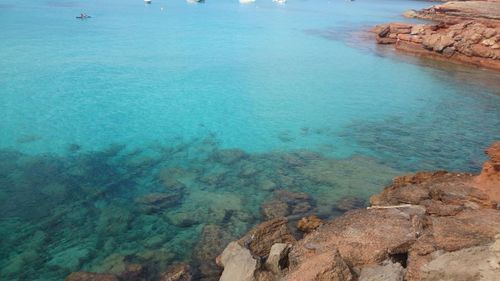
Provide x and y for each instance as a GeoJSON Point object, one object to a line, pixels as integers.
{"type": "Point", "coordinates": [126, 213]}
{"type": "Point", "coordinates": [427, 226]}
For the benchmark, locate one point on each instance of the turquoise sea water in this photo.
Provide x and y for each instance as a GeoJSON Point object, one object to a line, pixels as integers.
{"type": "Point", "coordinates": [139, 135]}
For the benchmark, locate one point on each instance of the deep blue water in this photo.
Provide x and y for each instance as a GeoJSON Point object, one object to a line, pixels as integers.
{"type": "Point", "coordinates": [95, 114]}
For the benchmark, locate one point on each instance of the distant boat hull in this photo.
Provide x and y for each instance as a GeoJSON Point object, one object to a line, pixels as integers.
{"type": "Point", "coordinates": [246, 1]}
{"type": "Point", "coordinates": [147, 1]}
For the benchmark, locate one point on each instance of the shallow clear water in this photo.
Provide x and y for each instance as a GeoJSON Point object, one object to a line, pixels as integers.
{"type": "Point", "coordinates": [97, 114]}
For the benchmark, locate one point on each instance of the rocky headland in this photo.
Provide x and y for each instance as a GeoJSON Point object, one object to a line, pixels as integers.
{"type": "Point", "coordinates": [460, 31]}
{"type": "Point", "coordinates": [424, 226]}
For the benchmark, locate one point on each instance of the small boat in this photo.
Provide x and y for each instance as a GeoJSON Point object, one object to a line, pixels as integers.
{"type": "Point", "coordinates": [279, 1]}
{"type": "Point", "coordinates": [195, 1]}
{"type": "Point", "coordinates": [83, 16]}
{"type": "Point", "coordinates": [246, 1]}
{"type": "Point", "coordinates": [147, 1]}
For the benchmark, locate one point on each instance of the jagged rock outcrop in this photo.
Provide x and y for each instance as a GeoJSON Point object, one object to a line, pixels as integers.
{"type": "Point", "coordinates": [413, 229]}
{"type": "Point", "coordinates": [465, 31]}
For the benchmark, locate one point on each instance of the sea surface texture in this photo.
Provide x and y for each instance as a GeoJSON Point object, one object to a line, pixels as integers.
{"type": "Point", "coordinates": [155, 134]}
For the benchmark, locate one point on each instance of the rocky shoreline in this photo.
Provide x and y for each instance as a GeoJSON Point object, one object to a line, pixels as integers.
{"type": "Point", "coordinates": [423, 227]}
{"type": "Point", "coordinates": [462, 31]}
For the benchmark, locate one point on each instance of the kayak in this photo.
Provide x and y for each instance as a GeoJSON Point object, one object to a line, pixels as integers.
{"type": "Point", "coordinates": [84, 17]}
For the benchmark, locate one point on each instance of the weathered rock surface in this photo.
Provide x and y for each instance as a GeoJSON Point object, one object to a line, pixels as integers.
{"type": "Point", "coordinates": [480, 263]}
{"type": "Point", "coordinates": [238, 263]}
{"type": "Point", "coordinates": [308, 224]}
{"type": "Point", "coordinates": [489, 179]}
{"type": "Point", "coordinates": [260, 239]}
{"type": "Point", "coordinates": [388, 271]}
{"type": "Point", "coordinates": [467, 32]}
{"type": "Point", "coordinates": [424, 226]}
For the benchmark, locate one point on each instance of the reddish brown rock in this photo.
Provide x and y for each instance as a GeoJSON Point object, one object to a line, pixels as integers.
{"type": "Point", "coordinates": [324, 266]}
{"type": "Point", "coordinates": [284, 203]}
{"type": "Point", "coordinates": [177, 272]}
{"type": "Point", "coordinates": [466, 229]}
{"type": "Point", "coordinates": [361, 236]}
{"type": "Point", "coordinates": [466, 32]}
{"type": "Point", "coordinates": [89, 276]}
{"type": "Point", "coordinates": [489, 179]}
{"type": "Point", "coordinates": [260, 239]}
{"type": "Point", "coordinates": [308, 224]}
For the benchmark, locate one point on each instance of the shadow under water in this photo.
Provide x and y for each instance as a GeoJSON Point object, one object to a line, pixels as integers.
{"type": "Point", "coordinates": [100, 211]}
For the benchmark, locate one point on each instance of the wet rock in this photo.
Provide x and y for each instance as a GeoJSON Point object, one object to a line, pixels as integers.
{"type": "Point", "coordinates": [308, 224]}
{"type": "Point", "coordinates": [345, 204]}
{"type": "Point", "coordinates": [177, 272]}
{"type": "Point", "coordinates": [155, 202]}
{"type": "Point", "coordinates": [134, 272]}
{"type": "Point", "coordinates": [285, 203]}
{"type": "Point", "coordinates": [260, 239]}
{"type": "Point", "coordinates": [238, 263]}
{"type": "Point", "coordinates": [325, 266]}
{"type": "Point", "coordinates": [278, 258]}
{"type": "Point", "coordinates": [212, 241]}
{"type": "Point", "coordinates": [88, 276]}
{"type": "Point", "coordinates": [388, 271]}
{"type": "Point", "coordinates": [114, 264]}
{"type": "Point", "coordinates": [274, 209]}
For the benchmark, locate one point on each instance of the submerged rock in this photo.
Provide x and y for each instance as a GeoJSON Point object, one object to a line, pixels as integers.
{"type": "Point", "coordinates": [212, 241]}
{"type": "Point", "coordinates": [284, 203]}
{"type": "Point", "coordinates": [88, 276]}
{"type": "Point", "coordinates": [155, 202]}
{"type": "Point", "coordinates": [177, 272]}
{"type": "Point", "coordinates": [261, 238]}
{"type": "Point", "coordinates": [308, 224]}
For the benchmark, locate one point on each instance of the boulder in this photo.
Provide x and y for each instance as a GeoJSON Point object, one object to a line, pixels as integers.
{"type": "Point", "coordinates": [260, 239]}
{"type": "Point", "coordinates": [387, 271]}
{"type": "Point", "coordinates": [475, 263]}
{"type": "Point", "coordinates": [467, 229]}
{"type": "Point", "coordinates": [308, 224]}
{"type": "Point", "coordinates": [238, 263]}
{"type": "Point", "coordinates": [212, 241]}
{"type": "Point", "coordinates": [323, 266]}
{"type": "Point", "coordinates": [361, 236]}
{"type": "Point", "coordinates": [177, 272]}
{"type": "Point", "coordinates": [278, 258]}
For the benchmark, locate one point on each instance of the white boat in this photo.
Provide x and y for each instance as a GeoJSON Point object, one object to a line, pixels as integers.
{"type": "Point", "coordinates": [195, 1]}
{"type": "Point", "coordinates": [246, 1]}
{"type": "Point", "coordinates": [279, 1]}
{"type": "Point", "coordinates": [147, 1]}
